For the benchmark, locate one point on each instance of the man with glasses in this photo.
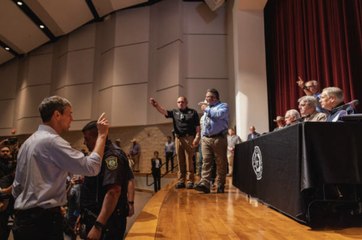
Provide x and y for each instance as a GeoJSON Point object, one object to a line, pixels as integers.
{"type": "Point", "coordinates": [186, 126]}
{"type": "Point", "coordinates": [332, 100]}
{"type": "Point", "coordinates": [214, 141]}
{"type": "Point", "coordinates": [310, 88]}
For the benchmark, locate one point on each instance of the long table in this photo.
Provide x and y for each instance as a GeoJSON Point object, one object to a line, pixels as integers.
{"type": "Point", "coordinates": [298, 166]}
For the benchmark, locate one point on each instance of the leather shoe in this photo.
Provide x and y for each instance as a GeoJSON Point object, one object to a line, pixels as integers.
{"type": "Point", "coordinates": [180, 185]}
{"type": "Point", "coordinates": [220, 189]}
{"type": "Point", "coordinates": [190, 185]}
{"type": "Point", "coordinates": [202, 188]}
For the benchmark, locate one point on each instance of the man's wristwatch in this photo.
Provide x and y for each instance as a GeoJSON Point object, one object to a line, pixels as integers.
{"type": "Point", "coordinates": [99, 226]}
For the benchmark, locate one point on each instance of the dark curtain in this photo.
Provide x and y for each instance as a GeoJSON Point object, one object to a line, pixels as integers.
{"type": "Point", "coordinates": [317, 40]}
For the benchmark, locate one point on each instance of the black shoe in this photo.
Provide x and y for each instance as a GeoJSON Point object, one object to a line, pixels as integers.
{"type": "Point", "coordinates": [202, 188]}
{"type": "Point", "coordinates": [180, 185]}
{"type": "Point", "coordinates": [220, 189]}
{"type": "Point", "coordinates": [190, 185]}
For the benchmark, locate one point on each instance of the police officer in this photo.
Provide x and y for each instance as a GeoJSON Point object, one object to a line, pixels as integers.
{"type": "Point", "coordinates": [186, 125]}
{"type": "Point", "coordinates": [104, 203]}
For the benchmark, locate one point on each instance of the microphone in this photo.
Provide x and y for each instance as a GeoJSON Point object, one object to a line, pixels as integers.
{"type": "Point", "coordinates": [354, 103]}
{"type": "Point", "coordinates": [349, 106]}
{"type": "Point", "coordinates": [301, 119]}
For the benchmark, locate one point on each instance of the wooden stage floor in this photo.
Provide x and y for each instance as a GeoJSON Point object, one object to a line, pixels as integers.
{"type": "Point", "coordinates": [188, 214]}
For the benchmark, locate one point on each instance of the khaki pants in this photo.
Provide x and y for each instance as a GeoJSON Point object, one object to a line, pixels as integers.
{"type": "Point", "coordinates": [230, 156]}
{"type": "Point", "coordinates": [185, 152]}
{"type": "Point", "coordinates": [136, 162]}
{"type": "Point", "coordinates": [214, 148]}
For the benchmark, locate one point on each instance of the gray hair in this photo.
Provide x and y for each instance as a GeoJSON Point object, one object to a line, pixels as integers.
{"type": "Point", "coordinates": [293, 113]}
{"type": "Point", "coordinates": [310, 100]}
{"type": "Point", "coordinates": [334, 92]}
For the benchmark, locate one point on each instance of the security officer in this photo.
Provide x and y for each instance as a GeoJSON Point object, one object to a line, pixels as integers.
{"type": "Point", "coordinates": [186, 125]}
{"type": "Point", "coordinates": [103, 201]}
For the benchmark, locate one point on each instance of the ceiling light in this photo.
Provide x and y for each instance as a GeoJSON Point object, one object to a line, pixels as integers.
{"type": "Point", "coordinates": [19, 3]}
{"type": "Point", "coordinates": [41, 26]}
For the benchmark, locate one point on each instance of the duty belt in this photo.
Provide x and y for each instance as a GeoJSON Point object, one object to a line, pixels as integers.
{"type": "Point", "coordinates": [184, 135]}
{"type": "Point", "coordinates": [221, 134]}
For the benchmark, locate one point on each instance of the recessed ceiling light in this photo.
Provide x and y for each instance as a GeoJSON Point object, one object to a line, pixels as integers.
{"type": "Point", "coordinates": [41, 26]}
{"type": "Point", "coordinates": [7, 49]}
{"type": "Point", "coordinates": [19, 3]}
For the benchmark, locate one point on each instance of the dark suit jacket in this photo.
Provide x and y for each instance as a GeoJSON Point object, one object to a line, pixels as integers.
{"type": "Point", "coordinates": [253, 135]}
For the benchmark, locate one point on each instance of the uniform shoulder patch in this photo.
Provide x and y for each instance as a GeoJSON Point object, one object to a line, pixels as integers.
{"type": "Point", "coordinates": [111, 162]}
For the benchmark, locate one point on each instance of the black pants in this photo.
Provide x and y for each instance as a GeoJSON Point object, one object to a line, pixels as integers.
{"type": "Point", "coordinates": [156, 173]}
{"type": "Point", "coordinates": [115, 228]}
{"type": "Point", "coordinates": [4, 228]}
{"type": "Point", "coordinates": [38, 223]}
{"type": "Point", "coordinates": [169, 157]}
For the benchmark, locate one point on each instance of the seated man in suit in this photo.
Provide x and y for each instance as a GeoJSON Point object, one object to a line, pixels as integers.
{"type": "Point", "coordinates": [332, 101]}
{"type": "Point", "coordinates": [308, 110]}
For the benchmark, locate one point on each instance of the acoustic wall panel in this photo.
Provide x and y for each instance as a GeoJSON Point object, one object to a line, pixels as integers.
{"type": "Point", "coordinates": [130, 64]}
{"type": "Point", "coordinates": [29, 99]}
{"type": "Point", "coordinates": [206, 56]}
{"type": "Point", "coordinates": [132, 26]}
{"type": "Point", "coordinates": [129, 105]}
{"type": "Point", "coordinates": [7, 117]}
{"type": "Point", "coordinates": [39, 70]}
{"type": "Point", "coordinates": [8, 80]}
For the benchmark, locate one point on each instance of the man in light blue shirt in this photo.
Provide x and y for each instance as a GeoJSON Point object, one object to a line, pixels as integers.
{"type": "Point", "coordinates": [214, 141]}
{"type": "Point", "coordinates": [43, 163]}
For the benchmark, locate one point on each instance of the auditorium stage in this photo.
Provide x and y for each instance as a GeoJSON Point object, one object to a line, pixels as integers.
{"type": "Point", "coordinates": [188, 214]}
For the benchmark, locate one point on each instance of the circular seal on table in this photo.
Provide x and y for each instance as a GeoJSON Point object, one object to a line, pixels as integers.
{"type": "Point", "coordinates": [257, 162]}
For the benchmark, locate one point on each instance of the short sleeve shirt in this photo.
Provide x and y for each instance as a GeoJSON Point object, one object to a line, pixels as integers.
{"type": "Point", "coordinates": [115, 170]}
{"type": "Point", "coordinates": [184, 121]}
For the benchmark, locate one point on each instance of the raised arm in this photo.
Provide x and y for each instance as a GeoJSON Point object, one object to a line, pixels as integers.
{"type": "Point", "coordinates": [159, 108]}
{"type": "Point", "coordinates": [102, 125]}
{"type": "Point", "coordinates": [301, 84]}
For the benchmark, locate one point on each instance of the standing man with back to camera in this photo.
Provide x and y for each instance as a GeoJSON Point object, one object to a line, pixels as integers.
{"type": "Point", "coordinates": [43, 163]}
{"type": "Point", "coordinates": [104, 200]}
{"type": "Point", "coordinates": [186, 125]}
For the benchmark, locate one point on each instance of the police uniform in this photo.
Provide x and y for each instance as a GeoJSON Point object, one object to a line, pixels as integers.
{"type": "Point", "coordinates": [185, 122]}
{"type": "Point", "coordinates": [115, 170]}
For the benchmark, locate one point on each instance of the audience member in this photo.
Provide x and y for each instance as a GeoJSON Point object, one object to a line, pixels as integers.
{"type": "Point", "coordinates": [73, 196]}
{"type": "Point", "coordinates": [291, 117]}
{"type": "Point", "coordinates": [104, 202]}
{"type": "Point", "coordinates": [332, 101]}
{"type": "Point", "coordinates": [6, 161]}
{"type": "Point", "coordinates": [43, 163]}
{"type": "Point", "coordinates": [308, 110]}
{"type": "Point", "coordinates": [170, 153]}
{"type": "Point", "coordinates": [252, 133]}
{"type": "Point", "coordinates": [7, 170]}
{"type": "Point", "coordinates": [156, 164]}
{"type": "Point", "coordinates": [187, 131]}
{"type": "Point", "coordinates": [279, 120]}
{"type": "Point", "coordinates": [135, 154]}
{"type": "Point", "coordinates": [214, 141]}
{"type": "Point", "coordinates": [233, 139]}
{"type": "Point", "coordinates": [311, 88]}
